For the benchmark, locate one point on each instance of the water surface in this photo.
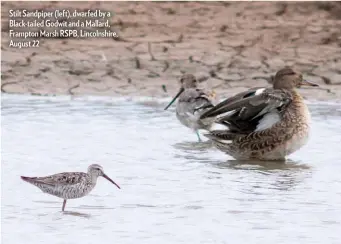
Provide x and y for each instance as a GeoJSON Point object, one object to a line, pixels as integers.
{"type": "Point", "coordinates": [174, 189]}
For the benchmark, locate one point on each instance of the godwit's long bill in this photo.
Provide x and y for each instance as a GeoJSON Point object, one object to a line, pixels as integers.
{"type": "Point", "coordinates": [192, 102]}
{"type": "Point", "coordinates": [69, 185]}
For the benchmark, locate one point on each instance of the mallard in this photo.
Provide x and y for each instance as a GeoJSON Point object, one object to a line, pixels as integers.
{"type": "Point", "coordinates": [192, 102]}
{"type": "Point", "coordinates": [263, 123]}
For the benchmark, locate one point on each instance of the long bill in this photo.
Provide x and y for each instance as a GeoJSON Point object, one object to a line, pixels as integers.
{"type": "Point", "coordinates": [107, 177]}
{"type": "Point", "coordinates": [176, 96]}
{"type": "Point", "coordinates": [308, 83]}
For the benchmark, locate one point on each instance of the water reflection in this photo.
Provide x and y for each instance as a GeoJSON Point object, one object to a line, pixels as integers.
{"type": "Point", "coordinates": [193, 151]}
{"type": "Point", "coordinates": [270, 175]}
{"type": "Point", "coordinates": [77, 214]}
{"type": "Point", "coordinates": [262, 165]}
{"type": "Point", "coordinates": [182, 190]}
{"type": "Point", "coordinates": [138, 206]}
{"type": "Point", "coordinates": [192, 146]}
{"type": "Point", "coordinates": [94, 207]}
{"type": "Point", "coordinates": [262, 176]}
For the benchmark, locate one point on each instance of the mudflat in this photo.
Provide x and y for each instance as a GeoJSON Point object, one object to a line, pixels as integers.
{"type": "Point", "coordinates": [229, 46]}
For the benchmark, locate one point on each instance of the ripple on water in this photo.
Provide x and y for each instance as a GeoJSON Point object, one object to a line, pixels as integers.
{"type": "Point", "coordinates": [174, 189]}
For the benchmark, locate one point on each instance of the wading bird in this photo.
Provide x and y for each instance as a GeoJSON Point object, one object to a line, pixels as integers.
{"type": "Point", "coordinates": [263, 123]}
{"type": "Point", "coordinates": [192, 102]}
{"type": "Point", "coordinates": [69, 185]}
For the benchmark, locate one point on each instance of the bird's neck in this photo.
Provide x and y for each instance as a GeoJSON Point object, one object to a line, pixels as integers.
{"type": "Point", "coordinates": [93, 178]}
{"type": "Point", "coordinates": [297, 107]}
{"type": "Point", "coordinates": [296, 95]}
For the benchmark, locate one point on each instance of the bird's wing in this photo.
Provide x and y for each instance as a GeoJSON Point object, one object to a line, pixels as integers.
{"type": "Point", "coordinates": [67, 178]}
{"type": "Point", "coordinates": [248, 93]}
{"type": "Point", "coordinates": [203, 101]}
{"type": "Point", "coordinates": [196, 100]}
{"type": "Point", "coordinates": [250, 104]}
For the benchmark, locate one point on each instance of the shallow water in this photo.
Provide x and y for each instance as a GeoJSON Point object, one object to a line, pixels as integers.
{"type": "Point", "coordinates": [174, 189]}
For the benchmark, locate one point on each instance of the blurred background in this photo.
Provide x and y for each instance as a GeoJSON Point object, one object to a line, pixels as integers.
{"type": "Point", "coordinates": [228, 45]}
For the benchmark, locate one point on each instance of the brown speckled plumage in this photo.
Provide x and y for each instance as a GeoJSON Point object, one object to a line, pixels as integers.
{"type": "Point", "coordinates": [266, 123]}
{"type": "Point", "coordinates": [69, 185]}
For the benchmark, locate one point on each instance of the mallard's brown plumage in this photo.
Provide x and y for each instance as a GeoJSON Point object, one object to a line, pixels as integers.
{"type": "Point", "coordinates": [263, 123]}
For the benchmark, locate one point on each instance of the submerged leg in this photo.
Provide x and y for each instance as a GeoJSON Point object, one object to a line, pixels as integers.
{"type": "Point", "coordinates": [197, 132]}
{"type": "Point", "coordinates": [64, 205]}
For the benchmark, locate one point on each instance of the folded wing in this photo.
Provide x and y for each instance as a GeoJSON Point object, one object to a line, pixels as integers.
{"type": "Point", "coordinates": [245, 111]}
{"type": "Point", "coordinates": [68, 178]}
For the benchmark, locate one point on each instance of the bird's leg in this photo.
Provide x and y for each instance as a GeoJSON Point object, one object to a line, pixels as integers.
{"type": "Point", "coordinates": [64, 203]}
{"type": "Point", "coordinates": [197, 132]}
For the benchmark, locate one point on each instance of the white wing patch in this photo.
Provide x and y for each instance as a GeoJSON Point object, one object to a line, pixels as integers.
{"type": "Point", "coordinates": [216, 126]}
{"type": "Point", "coordinates": [227, 113]}
{"type": "Point", "coordinates": [259, 91]}
{"type": "Point", "coordinates": [225, 141]}
{"type": "Point", "coordinates": [268, 121]}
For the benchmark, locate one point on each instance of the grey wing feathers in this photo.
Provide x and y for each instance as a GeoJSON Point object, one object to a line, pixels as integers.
{"type": "Point", "coordinates": [242, 112]}
{"type": "Point", "coordinates": [198, 99]}
{"type": "Point", "coordinates": [249, 106]}
{"type": "Point", "coordinates": [203, 101]}
{"type": "Point", "coordinates": [216, 110]}
{"type": "Point", "coordinates": [68, 178]}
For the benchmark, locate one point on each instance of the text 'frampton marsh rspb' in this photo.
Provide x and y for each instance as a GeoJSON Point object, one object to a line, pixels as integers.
{"type": "Point", "coordinates": [27, 27]}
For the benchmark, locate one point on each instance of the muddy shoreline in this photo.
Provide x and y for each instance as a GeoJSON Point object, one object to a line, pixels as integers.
{"type": "Point", "coordinates": [228, 46]}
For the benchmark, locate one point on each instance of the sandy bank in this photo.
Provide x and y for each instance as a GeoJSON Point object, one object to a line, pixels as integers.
{"type": "Point", "coordinates": [229, 46]}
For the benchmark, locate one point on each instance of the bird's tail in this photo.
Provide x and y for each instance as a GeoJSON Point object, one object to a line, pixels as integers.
{"type": "Point", "coordinates": [28, 179]}
{"type": "Point", "coordinates": [221, 136]}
